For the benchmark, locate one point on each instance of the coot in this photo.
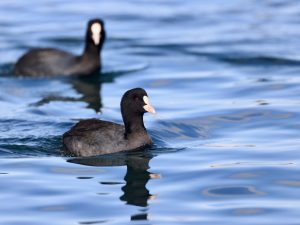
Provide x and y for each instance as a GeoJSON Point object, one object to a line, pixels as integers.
{"type": "Point", "coordinates": [95, 137]}
{"type": "Point", "coordinates": [55, 62]}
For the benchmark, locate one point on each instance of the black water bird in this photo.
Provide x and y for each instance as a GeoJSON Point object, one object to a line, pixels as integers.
{"type": "Point", "coordinates": [95, 137]}
{"type": "Point", "coordinates": [54, 62]}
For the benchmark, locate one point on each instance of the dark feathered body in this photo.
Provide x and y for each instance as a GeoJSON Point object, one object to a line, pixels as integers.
{"type": "Point", "coordinates": [54, 62]}
{"type": "Point", "coordinates": [96, 137]}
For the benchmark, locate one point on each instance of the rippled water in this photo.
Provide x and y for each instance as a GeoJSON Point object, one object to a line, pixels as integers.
{"type": "Point", "coordinates": [224, 78]}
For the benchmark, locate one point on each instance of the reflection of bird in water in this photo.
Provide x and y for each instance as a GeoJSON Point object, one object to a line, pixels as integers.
{"type": "Point", "coordinates": [137, 175]}
{"type": "Point", "coordinates": [89, 87]}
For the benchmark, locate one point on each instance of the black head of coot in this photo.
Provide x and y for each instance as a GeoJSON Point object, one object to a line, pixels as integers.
{"type": "Point", "coordinates": [134, 104]}
{"type": "Point", "coordinates": [95, 34]}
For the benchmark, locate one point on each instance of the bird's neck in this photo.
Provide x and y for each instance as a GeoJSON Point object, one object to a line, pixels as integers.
{"type": "Point", "coordinates": [92, 51]}
{"type": "Point", "coordinates": [134, 124]}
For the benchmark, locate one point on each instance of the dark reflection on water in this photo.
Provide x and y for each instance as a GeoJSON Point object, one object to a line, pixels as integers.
{"type": "Point", "coordinates": [88, 87]}
{"type": "Point", "coordinates": [136, 178]}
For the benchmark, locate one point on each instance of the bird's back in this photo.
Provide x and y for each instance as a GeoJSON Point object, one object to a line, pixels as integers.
{"type": "Point", "coordinates": [94, 137]}
{"type": "Point", "coordinates": [45, 62]}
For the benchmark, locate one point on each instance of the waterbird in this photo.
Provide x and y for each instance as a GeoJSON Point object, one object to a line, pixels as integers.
{"type": "Point", "coordinates": [97, 137]}
{"type": "Point", "coordinates": [39, 62]}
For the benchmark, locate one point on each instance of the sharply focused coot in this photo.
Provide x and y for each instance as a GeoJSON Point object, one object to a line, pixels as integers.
{"type": "Point", "coordinates": [95, 137]}
{"type": "Point", "coordinates": [55, 62]}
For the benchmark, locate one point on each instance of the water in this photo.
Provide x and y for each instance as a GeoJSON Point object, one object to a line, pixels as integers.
{"type": "Point", "coordinates": [224, 79]}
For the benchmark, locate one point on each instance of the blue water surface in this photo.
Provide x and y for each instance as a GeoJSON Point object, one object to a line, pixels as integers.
{"type": "Point", "coordinates": [224, 79]}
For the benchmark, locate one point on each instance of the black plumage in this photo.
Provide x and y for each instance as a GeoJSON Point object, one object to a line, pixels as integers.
{"type": "Point", "coordinates": [54, 62]}
{"type": "Point", "coordinates": [96, 137]}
